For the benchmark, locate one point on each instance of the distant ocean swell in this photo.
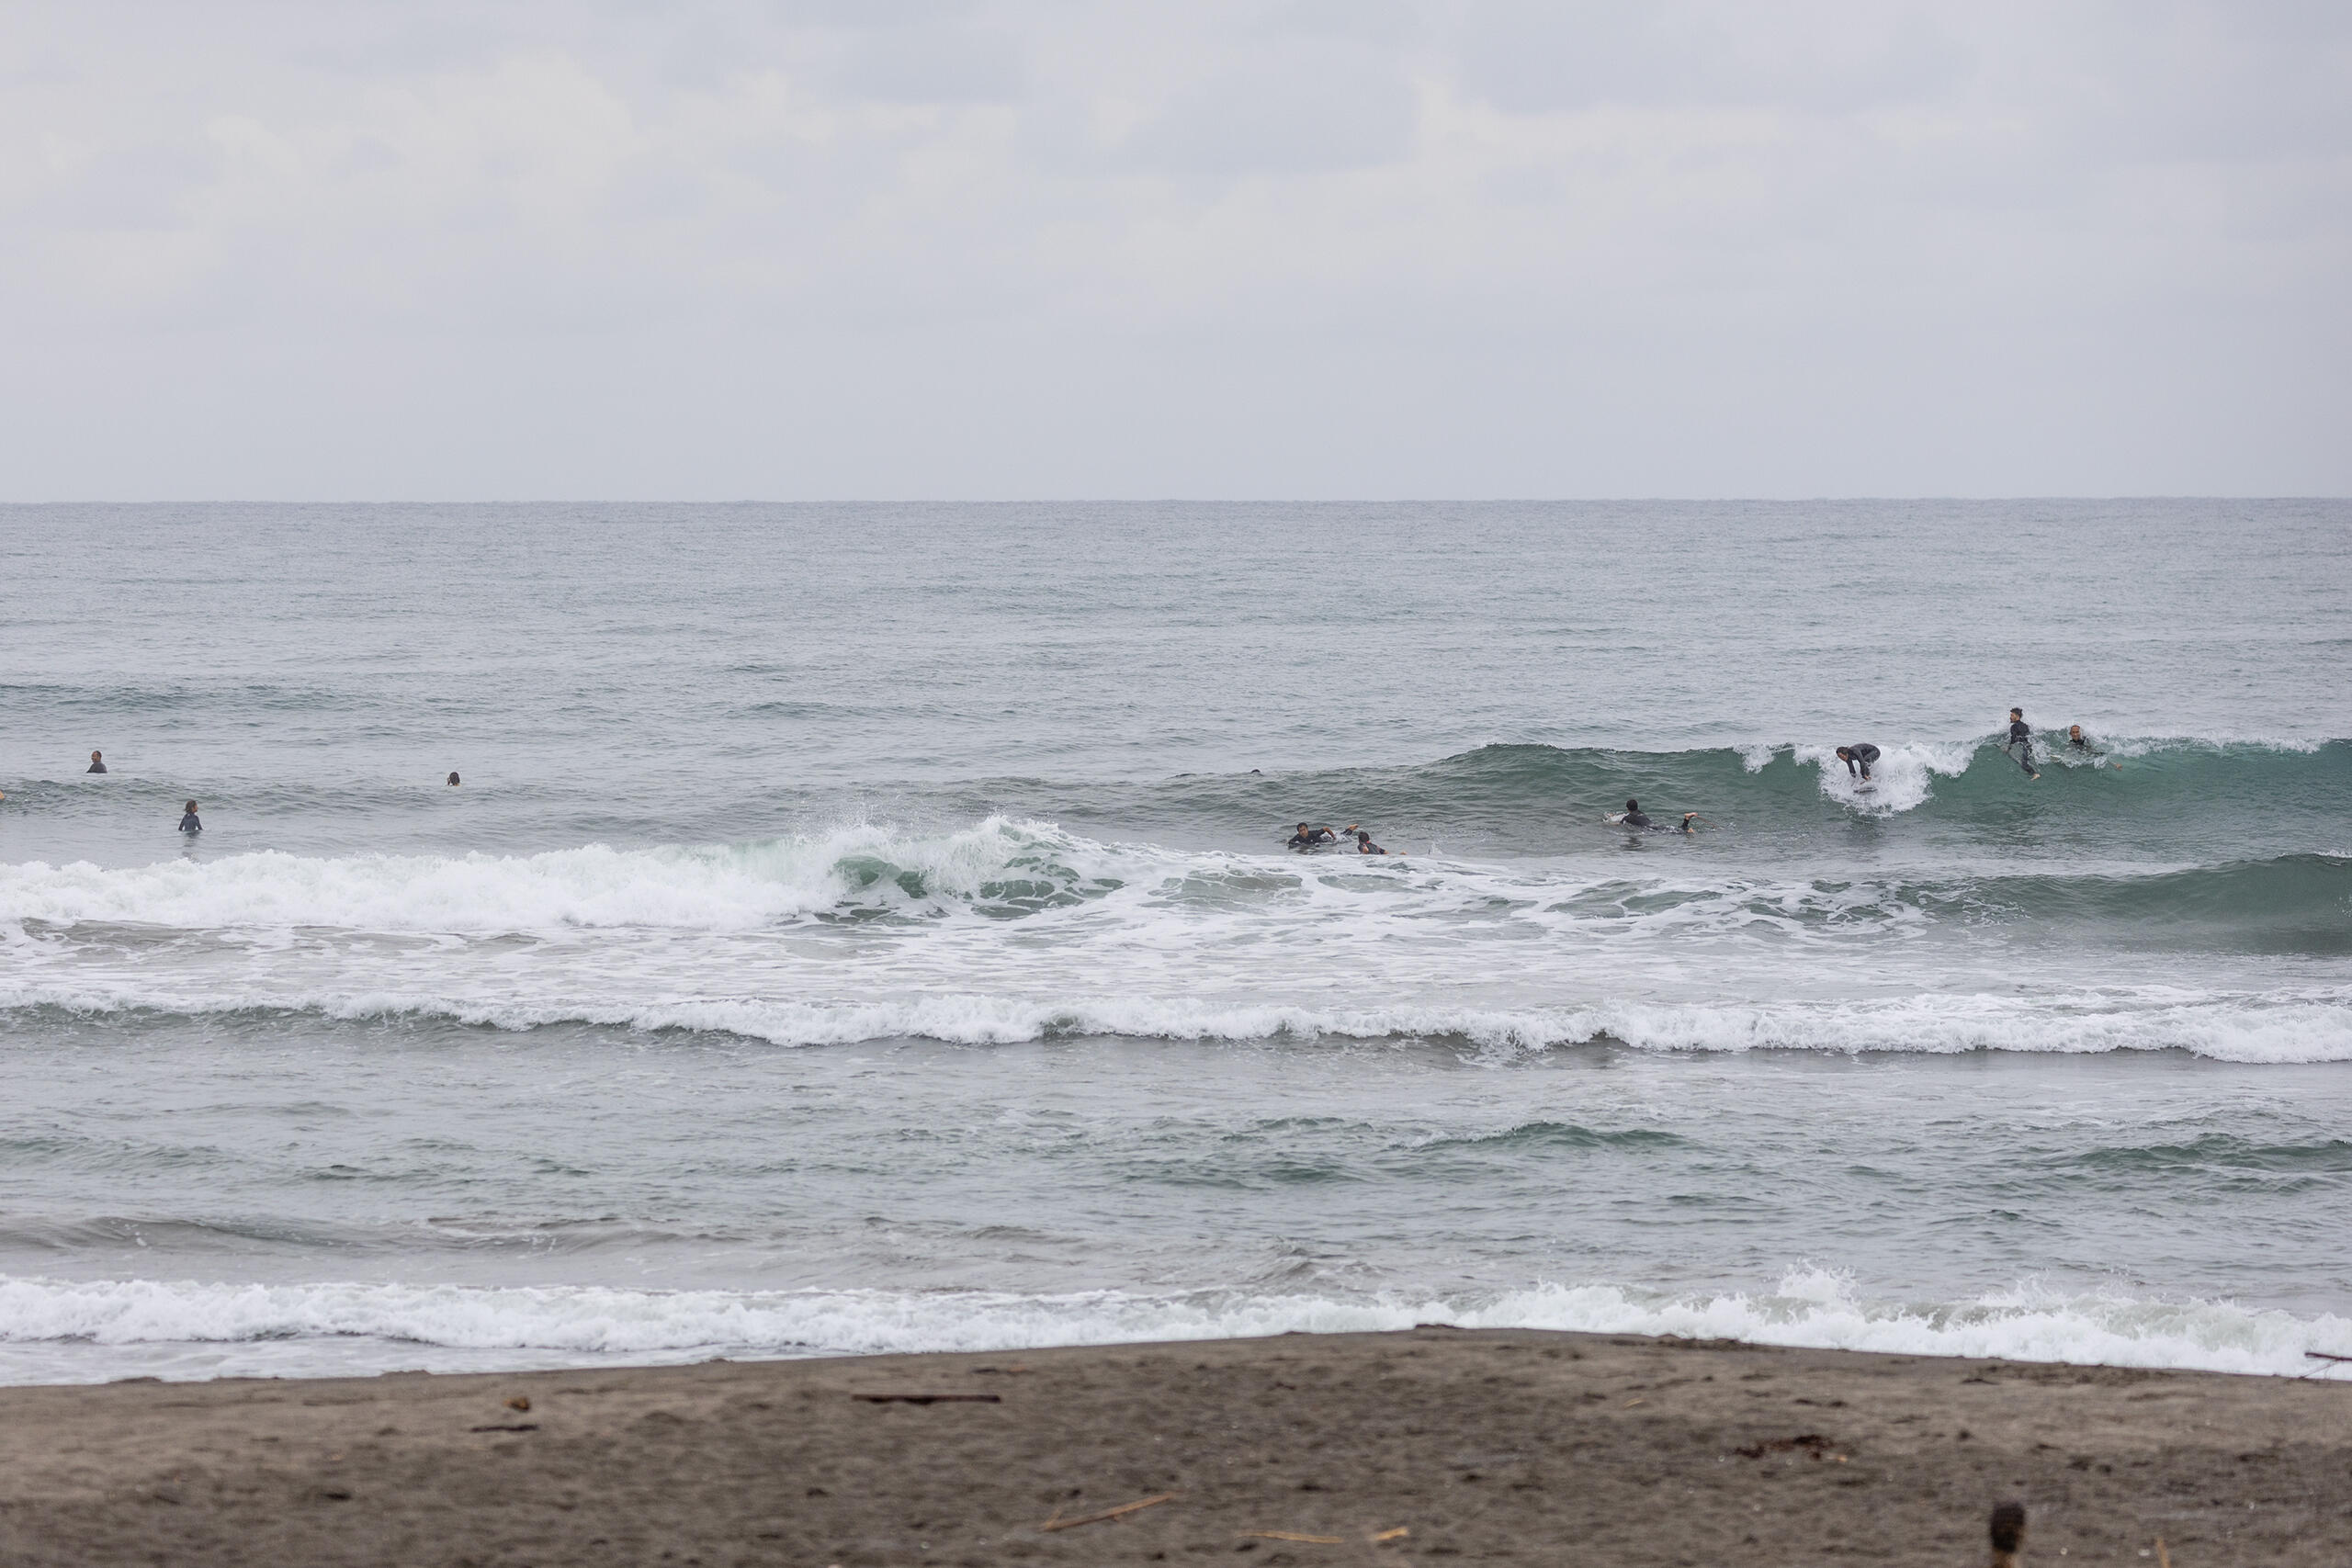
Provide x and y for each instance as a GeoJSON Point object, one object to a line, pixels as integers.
{"type": "Point", "coordinates": [1532, 788]}
{"type": "Point", "coordinates": [42, 1320]}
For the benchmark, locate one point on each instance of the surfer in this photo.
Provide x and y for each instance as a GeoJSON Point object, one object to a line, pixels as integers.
{"type": "Point", "coordinates": [453, 781]}
{"type": "Point", "coordinates": [98, 763]}
{"type": "Point", "coordinates": [2021, 743]}
{"type": "Point", "coordinates": [2079, 742]}
{"type": "Point", "coordinates": [1635, 816]}
{"type": "Point", "coordinates": [189, 824]}
{"type": "Point", "coordinates": [1365, 846]}
{"type": "Point", "coordinates": [1861, 755]}
{"type": "Point", "coordinates": [1308, 838]}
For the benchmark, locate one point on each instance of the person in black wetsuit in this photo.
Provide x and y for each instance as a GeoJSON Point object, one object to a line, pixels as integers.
{"type": "Point", "coordinates": [1365, 846]}
{"type": "Point", "coordinates": [1859, 755]}
{"type": "Point", "coordinates": [1308, 838]}
{"type": "Point", "coordinates": [2021, 743]}
{"type": "Point", "coordinates": [98, 763]}
{"type": "Point", "coordinates": [189, 824]}
{"type": "Point", "coordinates": [1636, 817]}
{"type": "Point", "coordinates": [2081, 742]}
{"type": "Point", "coordinates": [453, 781]}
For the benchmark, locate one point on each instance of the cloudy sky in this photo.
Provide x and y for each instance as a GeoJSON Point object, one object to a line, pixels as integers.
{"type": "Point", "coordinates": [788, 249]}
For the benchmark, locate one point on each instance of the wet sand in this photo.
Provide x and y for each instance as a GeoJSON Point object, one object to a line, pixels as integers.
{"type": "Point", "coordinates": [1464, 1447]}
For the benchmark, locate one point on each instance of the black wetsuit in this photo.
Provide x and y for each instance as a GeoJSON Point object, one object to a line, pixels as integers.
{"type": "Point", "coordinates": [189, 824]}
{"type": "Point", "coordinates": [1638, 820]}
{"type": "Point", "coordinates": [1860, 756]}
{"type": "Point", "coordinates": [2021, 743]}
{"type": "Point", "coordinates": [1367, 847]}
{"type": "Point", "coordinates": [1311, 838]}
{"type": "Point", "coordinates": [95, 768]}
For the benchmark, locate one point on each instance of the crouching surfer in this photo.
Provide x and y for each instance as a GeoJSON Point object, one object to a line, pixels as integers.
{"type": "Point", "coordinates": [1858, 758]}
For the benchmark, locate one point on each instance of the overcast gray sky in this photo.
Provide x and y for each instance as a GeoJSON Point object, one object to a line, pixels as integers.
{"type": "Point", "coordinates": [785, 249]}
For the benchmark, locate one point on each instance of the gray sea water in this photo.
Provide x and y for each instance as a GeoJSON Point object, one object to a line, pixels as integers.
{"type": "Point", "coordinates": [869, 928]}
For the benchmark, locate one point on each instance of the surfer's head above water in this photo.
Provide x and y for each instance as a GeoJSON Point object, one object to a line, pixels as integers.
{"type": "Point", "coordinates": [1633, 805]}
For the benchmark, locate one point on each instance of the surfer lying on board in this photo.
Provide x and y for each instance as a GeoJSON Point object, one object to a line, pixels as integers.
{"type": "Point", "coordinates": [1365, 846]}
{"type": "Point", "coordinates": [1861, 755]}
{"type": "Point", "coordinates": [2021, 743]}
{"type": "Point", "coordinates": [1308, 838]}
{"type": "Point", "coordinates": [1636, 817]}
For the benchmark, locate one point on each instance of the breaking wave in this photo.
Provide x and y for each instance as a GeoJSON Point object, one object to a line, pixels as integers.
{"type": "Point", "coordinates": [62, 1330]}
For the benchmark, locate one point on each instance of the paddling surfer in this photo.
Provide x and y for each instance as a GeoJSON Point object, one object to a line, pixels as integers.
{"type": "Point", "coordinates": [1308, 838]}
{"type": "Point", "coordinates": [1635, 816]}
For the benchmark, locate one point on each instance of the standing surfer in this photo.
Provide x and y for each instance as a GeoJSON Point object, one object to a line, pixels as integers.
{"type": "Point", "coordinates": [2020, 746]}
{"type": "Point", "coordinates": [1858, 756]}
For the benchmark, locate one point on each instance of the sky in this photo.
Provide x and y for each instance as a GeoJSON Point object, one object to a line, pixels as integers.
{"type": "Point", "coordinates": [821, 249]}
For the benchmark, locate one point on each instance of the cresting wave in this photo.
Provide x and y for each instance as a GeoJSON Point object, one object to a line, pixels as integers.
{"type": "Point", "coordinates": [1779, 787]}
{"type": "Point", "coordinates": [66, 1330]}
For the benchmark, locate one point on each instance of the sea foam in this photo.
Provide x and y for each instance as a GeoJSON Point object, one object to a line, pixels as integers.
{"type": "Point", "coordinates": [96, 1329]}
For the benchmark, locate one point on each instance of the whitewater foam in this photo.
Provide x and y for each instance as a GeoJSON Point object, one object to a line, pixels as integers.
{"type": "Point", "coordinates": [53, 1327]}
{"type": "Point", "coordinates": [2231, 1029]}
{"type": "Point", "coordinates": [711, 888]}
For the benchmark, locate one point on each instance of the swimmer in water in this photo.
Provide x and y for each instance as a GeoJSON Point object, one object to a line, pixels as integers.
{"type": "Point", "coordinates": [2021, 743]}
{"type": "Point", "coordinates": [453, 781]}
{"type": "Point", "coordinates": [1861, 755]}
{"type": "Point", "coordinates": [1308, 838]}
{"type": "Point", "coordinates": [189, 824]}
{"type": "Point", "coordinates": [1636, 817]}
{"type": "Point", "coordinates": [1365, 846]}
{"type": "Point", "coordinates": [98, 763]}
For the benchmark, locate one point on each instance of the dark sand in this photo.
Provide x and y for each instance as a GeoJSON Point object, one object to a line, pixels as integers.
{"type": "Point", "coordinates": [1534, 1448]}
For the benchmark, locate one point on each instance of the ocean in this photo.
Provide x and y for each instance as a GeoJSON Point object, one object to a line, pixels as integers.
{"type": "Point", "coordinates": [868, 928]}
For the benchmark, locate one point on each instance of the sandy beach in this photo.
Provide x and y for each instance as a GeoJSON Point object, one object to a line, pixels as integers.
{"type": "Point", "coordinates": [1435, 1443]}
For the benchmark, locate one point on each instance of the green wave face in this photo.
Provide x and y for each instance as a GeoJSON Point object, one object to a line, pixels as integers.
{"type": "Point", "coordinates": [2166, 801]}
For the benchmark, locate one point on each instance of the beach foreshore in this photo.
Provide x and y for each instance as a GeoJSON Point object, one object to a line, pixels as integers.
{"type": "Point", "coordinates": [1305, 1449]}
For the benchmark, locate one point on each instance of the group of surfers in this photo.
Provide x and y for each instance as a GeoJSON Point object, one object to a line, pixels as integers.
{"type": "Point", "coordinates": [190, 822]}
{"type": "Point", "coordinates": [1858, 756]}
